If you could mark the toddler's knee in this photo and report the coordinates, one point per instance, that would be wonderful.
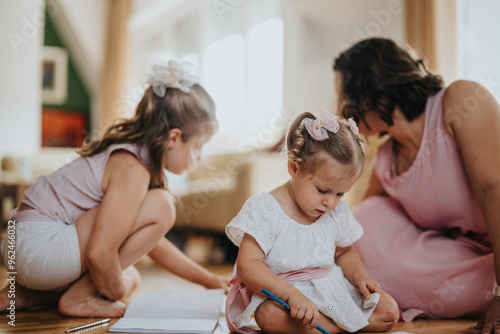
(164, 206)
(388, 304)
(270, 317)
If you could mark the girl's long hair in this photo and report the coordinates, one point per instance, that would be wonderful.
(378, 75)
(193, 113)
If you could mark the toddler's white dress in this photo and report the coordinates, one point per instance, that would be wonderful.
(290, 246)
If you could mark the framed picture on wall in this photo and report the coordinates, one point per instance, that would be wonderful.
(63, 127)
(54, 75)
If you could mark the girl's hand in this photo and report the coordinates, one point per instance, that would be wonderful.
(367, 286)
(219, 282)
(303, 309)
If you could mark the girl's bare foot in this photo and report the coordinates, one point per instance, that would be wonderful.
(24, 298)
(131, 279)
(82, 300)
(381, 321)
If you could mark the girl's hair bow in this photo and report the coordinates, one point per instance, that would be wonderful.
(172, 74)
(318, 127)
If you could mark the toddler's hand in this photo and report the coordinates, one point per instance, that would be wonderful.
(303, 309)
(367, 286)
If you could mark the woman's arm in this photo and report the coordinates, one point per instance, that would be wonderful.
(169, 257)
(125, 183)
(472, 115)
(256, 275)
(375, 187)
(354, 271)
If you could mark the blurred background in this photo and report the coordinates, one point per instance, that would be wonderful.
(69, 68)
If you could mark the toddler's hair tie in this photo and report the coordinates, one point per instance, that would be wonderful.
(354, 128)
(318, 127)
(172, 74)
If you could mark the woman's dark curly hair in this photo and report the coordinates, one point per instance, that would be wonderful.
(379, 75)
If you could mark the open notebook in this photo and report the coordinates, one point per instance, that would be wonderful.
(172, 311)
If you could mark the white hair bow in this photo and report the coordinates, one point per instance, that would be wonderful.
(172, 74)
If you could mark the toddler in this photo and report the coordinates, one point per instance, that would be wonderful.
(296, 242)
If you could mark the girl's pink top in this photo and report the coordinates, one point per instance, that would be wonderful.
(435, 191)
(75, 188)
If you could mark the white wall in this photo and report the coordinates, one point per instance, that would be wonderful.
(21, 29)
(316, 31)
(85, 41)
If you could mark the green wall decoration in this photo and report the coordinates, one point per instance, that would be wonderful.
(66, 123)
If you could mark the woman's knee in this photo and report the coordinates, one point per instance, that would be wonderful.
(160, 208)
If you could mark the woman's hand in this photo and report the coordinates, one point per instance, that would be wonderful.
(367, 286)
(303, 309)
(490, 321)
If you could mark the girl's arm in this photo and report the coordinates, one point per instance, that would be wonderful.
(354, 271)
(256, 275)
(472, 115)
(125, 186)
(169, 257)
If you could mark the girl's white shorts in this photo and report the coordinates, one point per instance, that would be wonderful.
(46, 255)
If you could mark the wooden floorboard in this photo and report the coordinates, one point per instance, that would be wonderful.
(51, 321)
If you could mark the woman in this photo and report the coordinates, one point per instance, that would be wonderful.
(431, 213)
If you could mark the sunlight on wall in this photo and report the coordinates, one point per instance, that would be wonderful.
(244, 74)
(265, 71)
(224, 78)
(478, 43)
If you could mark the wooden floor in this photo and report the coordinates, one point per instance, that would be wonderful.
(50, 321)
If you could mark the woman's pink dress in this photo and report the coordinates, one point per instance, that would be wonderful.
(426, 243)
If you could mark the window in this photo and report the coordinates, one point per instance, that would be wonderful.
(478, 44)
(240, 57)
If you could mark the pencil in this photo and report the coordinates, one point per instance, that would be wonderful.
(285, 305)
(100, 322)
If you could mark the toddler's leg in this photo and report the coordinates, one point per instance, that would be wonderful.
(153, 222)
(274, 319)
(385, 316)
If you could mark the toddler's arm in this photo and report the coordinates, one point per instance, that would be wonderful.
(256, 275)
(124, 191)
(168, 256)
(354, 271)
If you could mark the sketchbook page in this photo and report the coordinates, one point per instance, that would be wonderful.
(177, 304)
(178, 326)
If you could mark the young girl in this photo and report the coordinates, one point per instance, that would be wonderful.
(80, 229)
(296, 242)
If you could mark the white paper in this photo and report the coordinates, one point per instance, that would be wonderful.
(135, 325)
(172, 311)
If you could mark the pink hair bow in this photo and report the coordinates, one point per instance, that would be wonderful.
(318, 127)
(354, 128)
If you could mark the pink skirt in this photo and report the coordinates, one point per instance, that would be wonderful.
(426, 271)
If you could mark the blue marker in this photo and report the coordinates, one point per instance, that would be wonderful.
(285, 305)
